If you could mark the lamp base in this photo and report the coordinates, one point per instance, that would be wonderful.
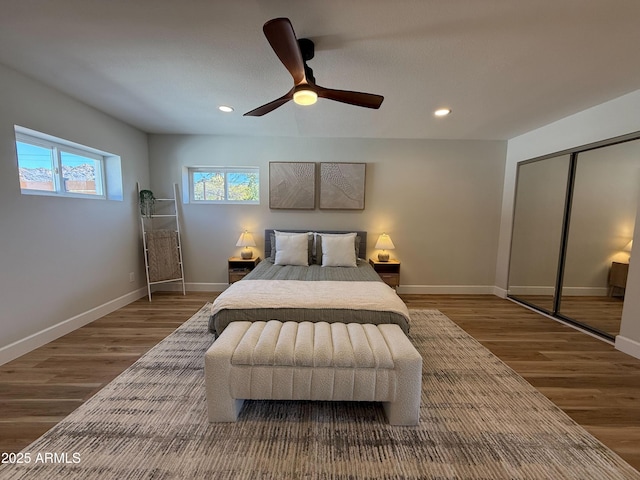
(246, 254)
(383, 257)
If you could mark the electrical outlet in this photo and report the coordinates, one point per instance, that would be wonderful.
(132, 277)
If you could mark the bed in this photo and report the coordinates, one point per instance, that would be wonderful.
(325, 282)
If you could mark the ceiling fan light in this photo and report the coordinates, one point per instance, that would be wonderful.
(305, 97)
(442, 112)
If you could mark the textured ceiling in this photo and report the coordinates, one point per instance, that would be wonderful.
(504, 66)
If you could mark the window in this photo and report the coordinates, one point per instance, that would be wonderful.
(224, 185)
(53, 166)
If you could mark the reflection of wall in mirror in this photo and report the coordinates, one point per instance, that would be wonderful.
(628, 247)
(537, 228)
(603, 215)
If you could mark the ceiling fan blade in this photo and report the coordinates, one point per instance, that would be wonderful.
(282, 38)
(271, 106)
(360, 99)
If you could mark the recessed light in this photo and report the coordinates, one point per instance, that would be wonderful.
(225, 109)
(442, 112)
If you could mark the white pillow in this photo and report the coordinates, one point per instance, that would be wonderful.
(339, 251)
(292, 249)
(318, 244)
(310, 247)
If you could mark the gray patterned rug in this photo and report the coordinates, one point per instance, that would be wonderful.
(479, 420)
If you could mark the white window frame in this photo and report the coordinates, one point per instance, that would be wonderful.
(59, 146)
(226, 171)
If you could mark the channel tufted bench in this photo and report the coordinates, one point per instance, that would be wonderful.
(313, 361)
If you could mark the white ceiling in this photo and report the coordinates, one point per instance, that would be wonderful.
(504, 66)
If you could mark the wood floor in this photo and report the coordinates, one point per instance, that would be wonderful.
(592, 382)
(601, 313)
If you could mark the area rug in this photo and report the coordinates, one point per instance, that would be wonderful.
(478, 420)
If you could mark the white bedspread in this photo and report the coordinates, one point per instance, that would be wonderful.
(376, 296)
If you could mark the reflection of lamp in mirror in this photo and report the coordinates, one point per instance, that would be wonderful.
(246, 240)
(628, 247)
(384, 243)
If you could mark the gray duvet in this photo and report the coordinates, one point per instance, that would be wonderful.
(266, 270)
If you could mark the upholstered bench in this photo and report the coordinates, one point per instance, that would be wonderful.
(313, 361)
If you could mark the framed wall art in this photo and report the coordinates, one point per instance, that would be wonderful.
(342, 186)
(292, 185)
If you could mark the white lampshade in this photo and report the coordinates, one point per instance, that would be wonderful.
(628, 247)
(384, 243)
(246, 240)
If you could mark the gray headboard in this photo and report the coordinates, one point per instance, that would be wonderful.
(361, 234)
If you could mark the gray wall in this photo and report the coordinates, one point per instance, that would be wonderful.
(439, 200)
(62, 257)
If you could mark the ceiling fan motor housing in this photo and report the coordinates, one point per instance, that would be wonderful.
(307, 48)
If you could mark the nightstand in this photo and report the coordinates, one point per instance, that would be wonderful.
(389, 271)
(618, 278)
(239, 267)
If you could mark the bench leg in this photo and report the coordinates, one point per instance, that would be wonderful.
(228, 412)
(221, 406)
(405, 410)
(402, 412)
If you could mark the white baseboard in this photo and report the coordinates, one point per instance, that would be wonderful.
(550, 291)
(500, 292)
(447, 289)
(36, 340)
(628, 346)
(531, 290)
(585, 291)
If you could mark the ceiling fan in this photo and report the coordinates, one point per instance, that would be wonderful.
(294, 53)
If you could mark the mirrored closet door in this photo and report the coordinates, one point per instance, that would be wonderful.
(603, 212)
(573, 224)
(537, 230)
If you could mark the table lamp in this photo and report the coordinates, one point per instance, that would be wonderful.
(384, 243)
(246, 240)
